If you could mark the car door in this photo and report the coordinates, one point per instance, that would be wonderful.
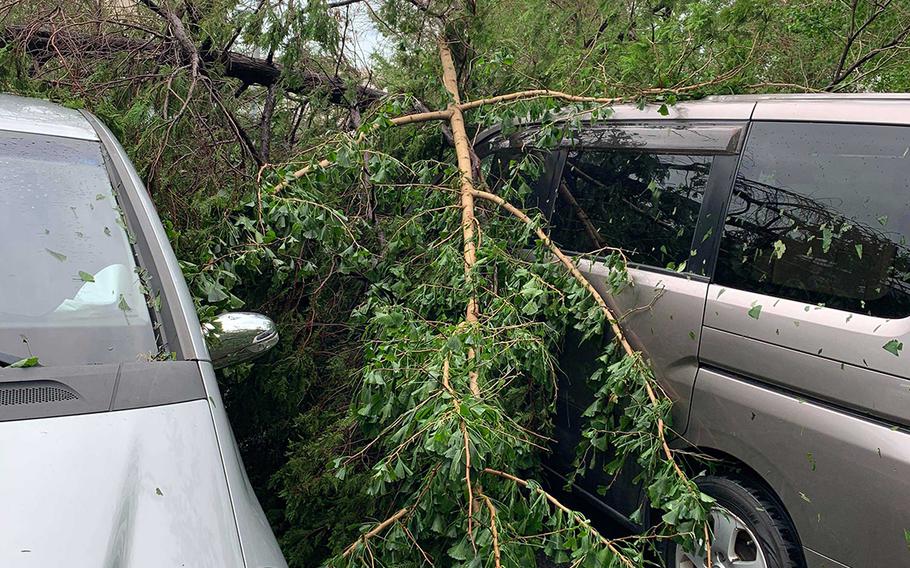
(640, 187)
(803, 376)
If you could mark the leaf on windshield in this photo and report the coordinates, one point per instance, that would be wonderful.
(755, 311)
(779, 249)
(123, 305)
(23, 363)
(99, 197)
(826, 238)
(58, 255)
(86, 277)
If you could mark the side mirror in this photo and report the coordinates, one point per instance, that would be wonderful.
(239, 336)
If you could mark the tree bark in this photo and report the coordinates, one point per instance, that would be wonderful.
(46, 43)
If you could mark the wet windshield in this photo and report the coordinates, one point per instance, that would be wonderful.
(70, 291)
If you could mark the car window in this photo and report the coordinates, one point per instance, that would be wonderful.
(521, 176)
(820, 213)
(71, 290)
(644, 203)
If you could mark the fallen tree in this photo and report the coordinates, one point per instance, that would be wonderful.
(404, 418)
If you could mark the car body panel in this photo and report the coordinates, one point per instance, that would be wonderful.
(867, 110)
(842, 478)
(259, 546)
(36, 116)
(661, 316)
(854, 339)
(260, 549)
(141, 487)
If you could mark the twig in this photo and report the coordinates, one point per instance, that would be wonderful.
(374, 531)
(578, 518)
(493, 530)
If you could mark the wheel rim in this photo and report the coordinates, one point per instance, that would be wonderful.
(733, 545)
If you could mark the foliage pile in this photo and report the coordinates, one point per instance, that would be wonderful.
(286, 188)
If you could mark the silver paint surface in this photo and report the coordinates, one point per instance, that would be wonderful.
(842, 479)
(36, 116)
(663, 318)
(133, 488)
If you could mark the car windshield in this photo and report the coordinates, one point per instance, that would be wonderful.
(70, 290)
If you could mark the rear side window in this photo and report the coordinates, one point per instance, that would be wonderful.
(820, 213)
(644, 203)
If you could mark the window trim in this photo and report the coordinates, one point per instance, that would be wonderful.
(718, 190)
(169, 314)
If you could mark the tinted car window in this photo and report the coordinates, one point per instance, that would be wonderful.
(71, 292)
(820, 213)
(523, 176)
(646, 204)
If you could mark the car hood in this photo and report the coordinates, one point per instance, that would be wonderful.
(133, 488)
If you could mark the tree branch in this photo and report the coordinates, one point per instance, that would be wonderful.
(248, 70)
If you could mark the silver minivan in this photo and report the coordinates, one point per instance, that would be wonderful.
(115, 449)
(768, 241)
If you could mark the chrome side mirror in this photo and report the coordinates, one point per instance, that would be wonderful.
(234, 337)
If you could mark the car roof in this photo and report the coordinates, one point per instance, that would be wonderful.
(866, 108)
(37, 116)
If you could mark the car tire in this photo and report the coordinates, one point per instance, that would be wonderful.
(763, 535)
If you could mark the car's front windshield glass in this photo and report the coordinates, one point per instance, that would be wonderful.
(70, 291)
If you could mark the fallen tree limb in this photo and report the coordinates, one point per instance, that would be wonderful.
(608, 313)
(578, 518)
(44, 43)
(374, 531)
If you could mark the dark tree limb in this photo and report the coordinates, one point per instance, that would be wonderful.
(265, 124)
(840, 73)
(248, 70)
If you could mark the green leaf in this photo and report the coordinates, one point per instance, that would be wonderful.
(827, 233)
(58, 255)
(859, 251)
(123, 305)
(755, 311)
(86, 277)
(23, 363)
(893, 347)
(779, 249)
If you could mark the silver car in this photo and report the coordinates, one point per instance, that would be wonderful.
(116, 450)
(768, 237)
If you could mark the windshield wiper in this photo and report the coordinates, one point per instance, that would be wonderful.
(6, 360)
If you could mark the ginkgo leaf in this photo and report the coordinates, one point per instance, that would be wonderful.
(86, 277)
(755, 311)
(24, 363)
(779, 249)
(893, 347)
(58, 255)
